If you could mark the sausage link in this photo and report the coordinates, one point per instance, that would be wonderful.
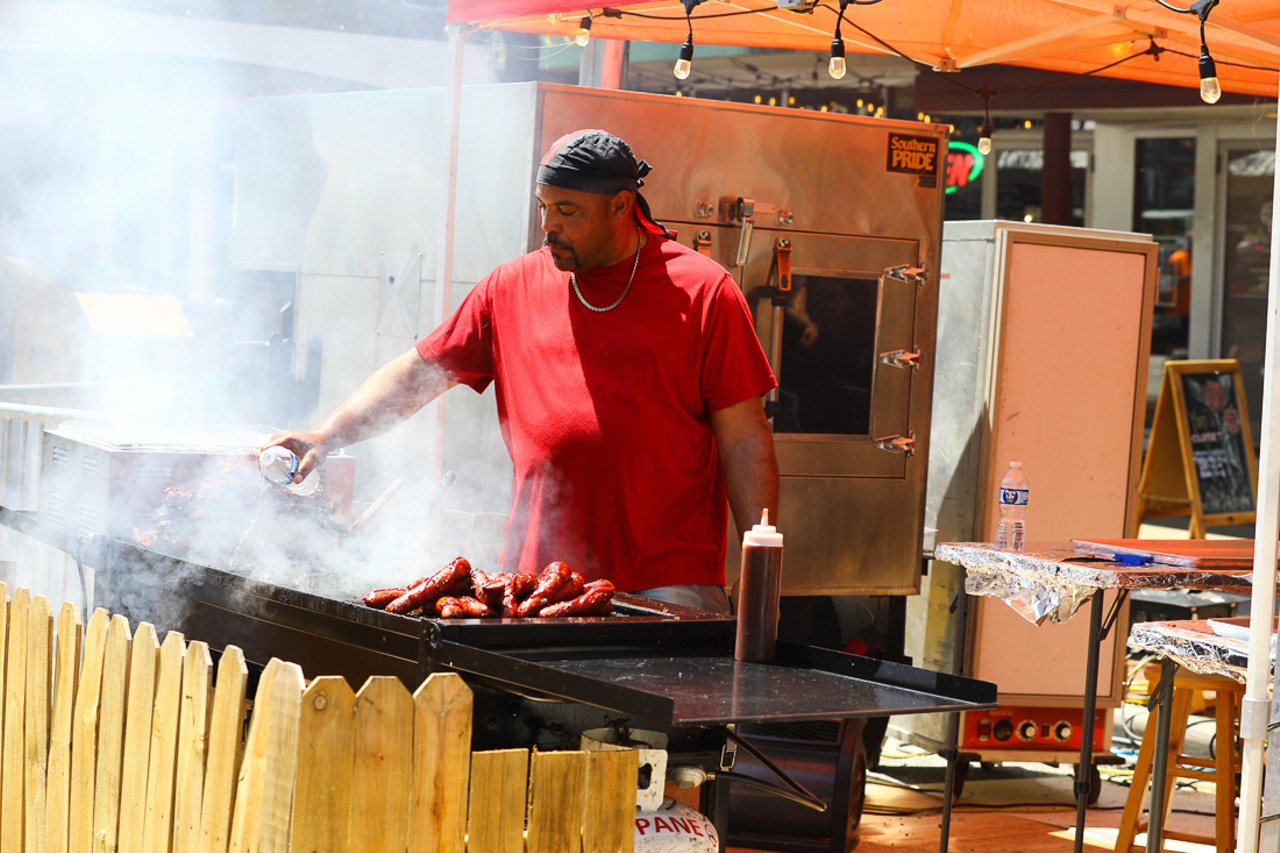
(380, 598)
(571, 588)
(518, 588)
(444, 581)
(489, 588)
(551, 579)
(596, 600)
(461, 607)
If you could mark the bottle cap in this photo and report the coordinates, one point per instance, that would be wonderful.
(1015, 464)
(764, 534)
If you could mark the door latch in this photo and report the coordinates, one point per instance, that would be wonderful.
(907, 274)
(740, 210)
(902, 358)
(782, 262)
(897, 443)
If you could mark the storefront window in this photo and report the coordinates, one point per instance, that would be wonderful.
(1246, 261)
(1020, 179)
(1163, 198)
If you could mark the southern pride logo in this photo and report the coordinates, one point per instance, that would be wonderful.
(913, 155)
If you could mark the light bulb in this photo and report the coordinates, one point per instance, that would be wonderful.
(836, 67)
(685, 63)
(1210, 90)
(984, 145)
(583, 35)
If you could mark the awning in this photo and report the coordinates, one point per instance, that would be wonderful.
(1150, 43)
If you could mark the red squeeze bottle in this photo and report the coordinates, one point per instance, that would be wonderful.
(759, 585)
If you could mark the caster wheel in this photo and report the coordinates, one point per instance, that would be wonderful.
(1095, 783)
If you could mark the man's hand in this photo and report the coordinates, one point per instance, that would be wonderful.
(747, 456)
(394, 392)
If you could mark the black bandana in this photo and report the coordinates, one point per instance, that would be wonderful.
(595, 161)
(592, 161)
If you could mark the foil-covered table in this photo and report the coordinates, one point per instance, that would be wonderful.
(1202, 646)
(1050, 581)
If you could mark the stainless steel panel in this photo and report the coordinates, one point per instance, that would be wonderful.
(964, 352)
(846, 534)
(828, 171)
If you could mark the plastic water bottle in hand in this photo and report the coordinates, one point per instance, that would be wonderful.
(1011, 530)
(279, 464)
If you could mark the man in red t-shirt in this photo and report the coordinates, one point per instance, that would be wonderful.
(628, 379)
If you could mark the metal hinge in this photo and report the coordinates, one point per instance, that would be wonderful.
(907, 274)
(897, 443)
(902, 358)
(702, 241)
(728, 755)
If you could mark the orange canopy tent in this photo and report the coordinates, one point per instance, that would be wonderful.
(1073, 36)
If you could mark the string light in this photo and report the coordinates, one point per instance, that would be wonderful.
(836, 66)
(583, 35)
(984, 140)
(1210, 88)
(684, 64)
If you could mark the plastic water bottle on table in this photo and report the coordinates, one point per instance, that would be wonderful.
(1011, 529)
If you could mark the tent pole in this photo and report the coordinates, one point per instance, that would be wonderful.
(442, 304)
(1254, 713)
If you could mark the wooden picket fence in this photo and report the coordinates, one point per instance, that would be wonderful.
(113, 741)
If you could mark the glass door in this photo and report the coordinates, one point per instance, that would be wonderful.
(1246, 259)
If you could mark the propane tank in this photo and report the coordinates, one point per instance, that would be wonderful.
(663, 825)
(675, 828)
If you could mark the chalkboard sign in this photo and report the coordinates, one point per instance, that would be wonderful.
(1200, 459)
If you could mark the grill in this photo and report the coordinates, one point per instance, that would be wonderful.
(651, 665)
(97, 480)
(660, 663)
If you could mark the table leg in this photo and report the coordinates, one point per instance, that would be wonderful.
(1083, 770)
(960, 608)
(952, 754)
(1160, 758)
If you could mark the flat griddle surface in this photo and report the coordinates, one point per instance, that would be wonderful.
(804, 684)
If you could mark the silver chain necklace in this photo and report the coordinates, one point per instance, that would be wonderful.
(573, 280)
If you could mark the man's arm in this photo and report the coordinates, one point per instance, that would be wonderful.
(747, 456)
(389, 396)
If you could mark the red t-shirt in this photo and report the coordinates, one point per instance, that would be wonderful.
(607, 415)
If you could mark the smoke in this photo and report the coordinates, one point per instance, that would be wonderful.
(134, 284)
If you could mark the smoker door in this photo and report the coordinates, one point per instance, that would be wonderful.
(850, 495)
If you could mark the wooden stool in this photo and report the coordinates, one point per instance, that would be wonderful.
(1221, 769)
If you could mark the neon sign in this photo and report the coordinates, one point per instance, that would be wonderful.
(964, 165)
